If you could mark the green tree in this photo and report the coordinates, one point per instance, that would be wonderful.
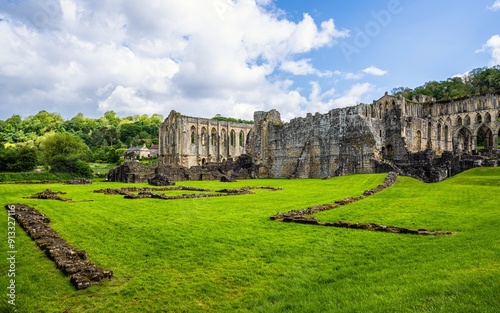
(42, 123)
(18, 159)
(13, 131)
(70, 164)
(65, 145)
(129, 131)
(26, 159)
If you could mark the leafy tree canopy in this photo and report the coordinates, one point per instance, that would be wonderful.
(63, 144)
(477, 82)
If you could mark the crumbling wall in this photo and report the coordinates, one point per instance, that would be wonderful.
(321, 145)
(132, 172)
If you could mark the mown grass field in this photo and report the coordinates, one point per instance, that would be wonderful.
(224, 254)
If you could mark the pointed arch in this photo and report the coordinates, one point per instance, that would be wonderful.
(193, 135)
(484, 138)
(467, 120)
(213, 137)
(242, 138)
(479, 119)
(203, 136)
(487, 117)
(464, 140)
(223, 137)
(232, 138)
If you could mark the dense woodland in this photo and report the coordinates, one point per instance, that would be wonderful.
(67, 146)
(477, 82)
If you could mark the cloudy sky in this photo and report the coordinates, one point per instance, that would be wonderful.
(232, 57)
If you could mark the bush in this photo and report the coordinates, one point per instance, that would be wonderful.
(71, 164)
(18, 159)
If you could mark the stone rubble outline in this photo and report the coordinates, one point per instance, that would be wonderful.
(147, 192)
(78, 181)
(48, 194)
(71, 261)
(301, 216)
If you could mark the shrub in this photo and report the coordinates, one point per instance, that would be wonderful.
(70, 164)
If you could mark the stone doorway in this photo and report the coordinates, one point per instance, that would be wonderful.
(484, 138)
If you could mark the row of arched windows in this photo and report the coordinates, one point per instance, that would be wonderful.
(233, 141)
(478, 120)
(466, 106)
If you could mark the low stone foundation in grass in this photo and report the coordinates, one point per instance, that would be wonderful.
(48, 194)
(303, 216)
(71, 261)
(78, 181)
(149, 192)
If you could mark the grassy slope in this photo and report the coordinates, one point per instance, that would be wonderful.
(224, 254)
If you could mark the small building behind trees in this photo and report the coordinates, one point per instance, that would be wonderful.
(136, 153)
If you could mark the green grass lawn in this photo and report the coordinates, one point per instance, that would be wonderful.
(101, 169)
(224, 254)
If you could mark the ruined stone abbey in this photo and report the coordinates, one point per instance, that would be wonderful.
(392, 132)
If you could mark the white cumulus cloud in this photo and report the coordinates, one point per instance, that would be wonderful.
(198, 57)
(353, 96)
(372, 70)
(492, 46)
(303, 67)
(495, 6)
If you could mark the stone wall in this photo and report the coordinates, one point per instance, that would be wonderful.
(391, 133)
(336, 143)
(189, 141)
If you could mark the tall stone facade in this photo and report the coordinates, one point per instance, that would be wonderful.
(189, 141)
(356, 139)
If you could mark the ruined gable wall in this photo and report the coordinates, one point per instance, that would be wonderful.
(190, 141)
(323, 145)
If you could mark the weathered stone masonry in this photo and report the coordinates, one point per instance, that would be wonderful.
(408, 134)
(190, 141)
(424, 138)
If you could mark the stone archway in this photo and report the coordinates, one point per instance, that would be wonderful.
(487, 118)
(484, 138)
(464, 140)
(498, 141)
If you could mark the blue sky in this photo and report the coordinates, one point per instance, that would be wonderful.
(232, 57)
(425, 40)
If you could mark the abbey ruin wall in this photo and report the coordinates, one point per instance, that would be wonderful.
(320, 145)
(189, 141)
(391, 130)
